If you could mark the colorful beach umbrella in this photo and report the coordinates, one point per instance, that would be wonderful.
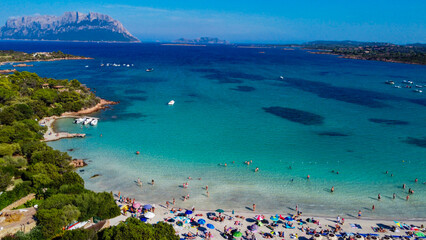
(136, 205)
(259, 217)
(149, 215)
(254, 228)
(210, 226)
(220, 210)
(237, 234)
(148, 206)
(188, 212)
(274, 218)
(397, 223)
(201, 221)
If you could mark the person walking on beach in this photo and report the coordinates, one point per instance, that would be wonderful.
(167, 204)
(174, 201)
(373, 208)
(359, 214)
(254, 207)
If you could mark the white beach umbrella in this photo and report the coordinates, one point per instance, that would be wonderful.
(149, 215)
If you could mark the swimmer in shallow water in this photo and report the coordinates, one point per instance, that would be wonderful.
(257, 169)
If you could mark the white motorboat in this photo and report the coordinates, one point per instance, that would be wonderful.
(149, 69)
(79, 120)
(282, 77)
(172, 102)
(94, 122)
(418, 91)
(87, 121)
(397, 86)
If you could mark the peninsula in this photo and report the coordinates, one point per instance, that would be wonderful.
(10, 56)
(386, 52)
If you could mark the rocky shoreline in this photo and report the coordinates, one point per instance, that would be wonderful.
(51, 135)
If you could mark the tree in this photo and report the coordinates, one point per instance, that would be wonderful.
(71, 213)
(50, 220)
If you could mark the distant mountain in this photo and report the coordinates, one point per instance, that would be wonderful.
(202, 40)
(72, 26)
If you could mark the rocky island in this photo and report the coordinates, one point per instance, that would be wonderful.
(72, 26)
(202, 40)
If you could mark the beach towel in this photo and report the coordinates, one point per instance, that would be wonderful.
(353, 225)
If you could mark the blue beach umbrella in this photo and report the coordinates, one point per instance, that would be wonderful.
(148, 206)
(201, 221)
(210, 226)
(188, 212)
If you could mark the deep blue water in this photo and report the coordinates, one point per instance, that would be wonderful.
(328, 114)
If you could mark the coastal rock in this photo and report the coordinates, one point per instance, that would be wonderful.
(72, 26)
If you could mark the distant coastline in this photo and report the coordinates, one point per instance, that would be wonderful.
(47, 60)
(183, 44)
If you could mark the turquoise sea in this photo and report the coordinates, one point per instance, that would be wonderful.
(327, 115)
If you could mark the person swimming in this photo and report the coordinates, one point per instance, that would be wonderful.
(257, 169)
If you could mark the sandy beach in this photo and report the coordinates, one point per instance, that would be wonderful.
(243, 222)
(51, 135)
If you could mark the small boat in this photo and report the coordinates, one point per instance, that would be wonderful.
(149, 69)
(281, 77)
(87, 121)
(418, 91)
(390, 82)
(94, 122)
(79, 120)
(397, 86)
(102, 65)
(172, 102)
(419, 86)
(410, 82)
(87, 66)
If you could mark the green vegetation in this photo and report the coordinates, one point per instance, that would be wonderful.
(24, 98)
(14, 56)
(60, 193)
(130, 229)
(412, 53)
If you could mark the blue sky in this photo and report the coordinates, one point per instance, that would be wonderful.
(268, 21)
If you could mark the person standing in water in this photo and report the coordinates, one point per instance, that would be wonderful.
(332, 189)
(379, 197)
(254, 207)
(359, 214)
(394, 196)
(152, 182)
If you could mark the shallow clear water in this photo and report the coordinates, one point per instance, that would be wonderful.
(213, 123)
